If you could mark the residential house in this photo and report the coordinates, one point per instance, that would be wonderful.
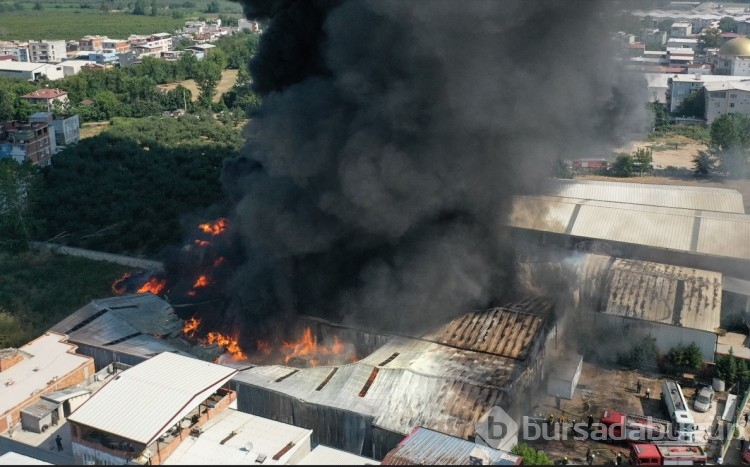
(30, 141)
(103, 57)
(43, 366)
(681, 86)
(682, 42)
(194, 27)
(91, 43)
(117, 45)
(152, 45)
(743, 27)
(47, 51)
(248, 25)
(46, 97)
(17, 49)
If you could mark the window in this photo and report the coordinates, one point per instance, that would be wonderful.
(733, 96)
(731, 105)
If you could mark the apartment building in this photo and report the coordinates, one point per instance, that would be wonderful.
(47, 51)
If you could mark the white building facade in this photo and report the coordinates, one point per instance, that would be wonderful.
(47, 51)
(727, 98)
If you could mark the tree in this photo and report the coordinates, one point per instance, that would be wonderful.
(213, 7)
(661, 116)
(704, 164)
(730, 141)
(726, 368)
(153, 8)
(710, 38)
(38, 6)
(728, 24)
(685, 358)
(642, 159)
(530, 455)
(139, 8)
(666, 24)
(17, 182)
(623, 165)
(694, 104)
(207, 77)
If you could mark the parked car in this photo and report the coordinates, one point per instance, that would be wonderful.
(704, 400)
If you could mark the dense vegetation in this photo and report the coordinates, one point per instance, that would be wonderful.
(38, 290)
(125, 190)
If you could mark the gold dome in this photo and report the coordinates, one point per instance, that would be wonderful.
(738, 47)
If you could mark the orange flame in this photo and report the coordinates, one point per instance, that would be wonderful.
(215, 228)
(202, 243)
(219, 261)
(118, 286)
(228, 343)
(307, 348)
(264, 347)
(202, 281)
(191, 326)
(154, 285)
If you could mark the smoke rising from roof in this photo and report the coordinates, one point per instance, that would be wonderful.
(392, 136)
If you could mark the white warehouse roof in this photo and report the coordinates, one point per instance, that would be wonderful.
(144, 400)
(323, 455)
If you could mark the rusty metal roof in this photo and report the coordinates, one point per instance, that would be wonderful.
(428, 447)
(664, 293)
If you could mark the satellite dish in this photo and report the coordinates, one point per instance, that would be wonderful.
(248, 446)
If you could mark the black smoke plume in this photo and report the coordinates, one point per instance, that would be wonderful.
(392, 136)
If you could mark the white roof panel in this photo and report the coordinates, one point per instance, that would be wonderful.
(323, 455)
(146, 399)
(14, 458)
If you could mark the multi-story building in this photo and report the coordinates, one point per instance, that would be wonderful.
(117, 45)
(67, 130)
(681, 29)
(152, 45)
(194, 27)
(727, 97)
(91, 43)
(18, 50)
(682, 42)
(32, 141)
(681, 86)
(248, 25)
(47, 51)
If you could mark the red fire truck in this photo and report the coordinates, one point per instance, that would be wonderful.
(667, 454)
(589, 165)
(622, 426)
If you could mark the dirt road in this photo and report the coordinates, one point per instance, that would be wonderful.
(674, 151)
(228, 78)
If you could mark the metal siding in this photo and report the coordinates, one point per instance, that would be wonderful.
(544, 214)
(666, 336)
(641, 226)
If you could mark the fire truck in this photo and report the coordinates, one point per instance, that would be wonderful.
(626, 427)
(667, 454)
(589, 165)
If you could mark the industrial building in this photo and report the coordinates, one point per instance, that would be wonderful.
(143, 414)
(31, 377)
(130, 329)
(428, 447)
(444, 380)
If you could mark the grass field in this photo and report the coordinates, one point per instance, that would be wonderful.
(71, 20)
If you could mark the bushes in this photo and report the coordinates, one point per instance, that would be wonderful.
(643, 352)
(685, 358)
(530, 455)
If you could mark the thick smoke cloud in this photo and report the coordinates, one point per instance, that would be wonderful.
(392, 136)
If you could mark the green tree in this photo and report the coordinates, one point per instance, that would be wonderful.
(704, 164)
(213, 7)
(38, 6)
(207, 77)
(661, 116)
(139, 8)
(17, 181)
(530, 455)
(623, 165)
(728, 24)
(694, 104)
(726, 368)
(730, 141)
(153, 8)
(642, 159)
(710, 38)
(685, 358)
(666, 24)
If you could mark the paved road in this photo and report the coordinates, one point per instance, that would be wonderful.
(141, 263)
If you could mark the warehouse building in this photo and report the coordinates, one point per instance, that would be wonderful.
(130, 329)
(444, 380)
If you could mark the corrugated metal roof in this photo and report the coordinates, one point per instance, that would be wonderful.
(695, 231)
(136, 324)
(146, 399)
(65, 394)
(428, 447)
(41, 408)
(672, 196)
(456, 385)
(664, 293)
(14, 458)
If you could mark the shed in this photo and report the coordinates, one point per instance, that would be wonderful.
(564, 375)
(40, 415)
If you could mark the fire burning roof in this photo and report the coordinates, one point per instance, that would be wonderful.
(412, 382)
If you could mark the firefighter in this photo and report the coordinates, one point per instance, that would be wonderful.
(564, 460)
(618, 459)
(551, 420)
(648, 393)
(590, 421)
(557, 402)
(638, 386)
(591, 458)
